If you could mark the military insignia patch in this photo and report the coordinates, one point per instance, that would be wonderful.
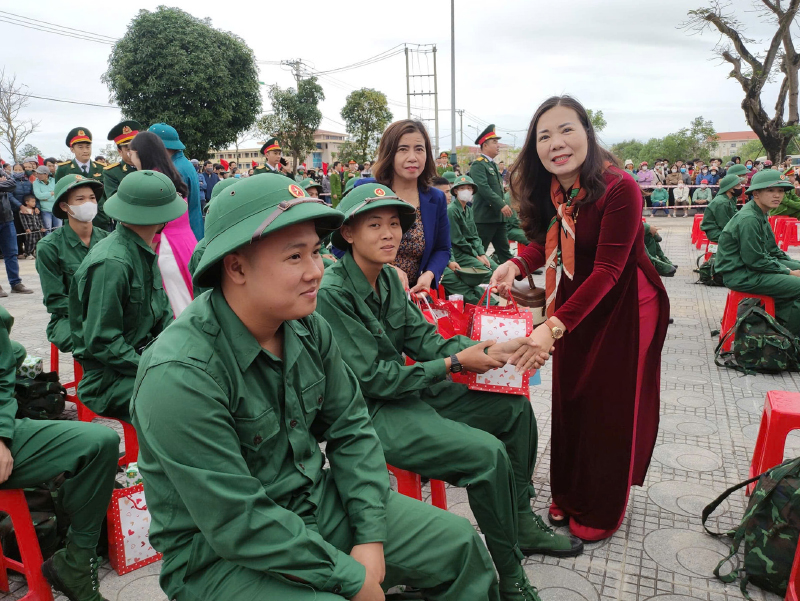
(296, 191)
(78, 178)
(97, 174)
(783, 176)
(379, 192)
(81, 132)
(126, 130)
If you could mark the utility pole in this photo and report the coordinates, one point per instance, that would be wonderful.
(461, 125)
(296, 65)
(425, 87)
(435, 103)
(453, 78)
(408, 88)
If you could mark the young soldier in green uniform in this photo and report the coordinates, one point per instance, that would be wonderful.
(443, 163)
(231, 404)
(117, 303)
(336, 184)
(351, 173)
(422, 420)
(59, 254)
(79, 141)
(313, 189)
(722, 208)
(272, 158)
(35, 451)
(465, 244)
(121, 134)
(652, 244)
(749, 260)
(490, 209)
(514, 231)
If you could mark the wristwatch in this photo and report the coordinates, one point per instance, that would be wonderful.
(556, 331)
(455, 365)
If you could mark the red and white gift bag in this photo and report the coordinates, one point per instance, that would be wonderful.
(500, 324)
(129, 545)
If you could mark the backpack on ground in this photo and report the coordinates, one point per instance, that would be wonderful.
(706, 272)
(761, 344)
(769, 528)
(42, 397)
(49, 520)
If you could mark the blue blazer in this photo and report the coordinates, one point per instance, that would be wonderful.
(436, 226)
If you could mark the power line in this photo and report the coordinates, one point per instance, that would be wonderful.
(61, 33)
(56, 25)
(394, 51)
(105, 106)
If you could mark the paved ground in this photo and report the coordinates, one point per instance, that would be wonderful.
(709, 421)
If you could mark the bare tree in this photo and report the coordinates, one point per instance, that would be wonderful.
(754, 70)
(13, 128)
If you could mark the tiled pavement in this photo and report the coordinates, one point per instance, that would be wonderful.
(709, 420)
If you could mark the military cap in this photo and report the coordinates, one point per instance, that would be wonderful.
(367, 197)
(271, 144)
(78, 134)
(145, 198)
(310, 183)
(444, 155)
(728, 182)
(251, 209)
(70, 182)
(486, 134)
(352, 162)
(769, 178)
(450, 176)
(168, 135)
(738, 169)
(123, 132)
(463, 180)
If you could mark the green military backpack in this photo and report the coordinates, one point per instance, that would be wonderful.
(706, 272)
(770, 529)
(42, 397)
(761, 343)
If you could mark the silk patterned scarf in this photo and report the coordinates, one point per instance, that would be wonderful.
(560, 235)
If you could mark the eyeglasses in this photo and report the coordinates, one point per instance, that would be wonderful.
(282, 207)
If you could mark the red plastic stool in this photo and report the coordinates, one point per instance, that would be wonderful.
(521, 247)
(54, 367)
(731, 308)
(410, 485)
(793, 590)
(787, 234)
(14, 504)
(781, 416)
(696, 231)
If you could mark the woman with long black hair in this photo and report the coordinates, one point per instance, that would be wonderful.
(175, 244)
(607, 315)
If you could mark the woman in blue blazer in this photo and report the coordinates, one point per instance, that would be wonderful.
(406, 165)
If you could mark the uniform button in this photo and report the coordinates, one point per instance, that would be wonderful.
(257, 440)
(319, 400)
(302, 467)
(337, 589)
(293, 423)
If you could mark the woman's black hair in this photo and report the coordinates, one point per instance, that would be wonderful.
(530, 181)
(153, 155)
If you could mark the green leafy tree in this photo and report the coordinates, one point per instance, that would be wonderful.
(597, 120)
(754, 67)
(295, 117)
(628, 149)
(174, 68)
(751, 150)
(366, 114)
(29, 150)
(695, 141)
(111, 153)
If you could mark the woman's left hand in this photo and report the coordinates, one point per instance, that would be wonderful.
(423, 286)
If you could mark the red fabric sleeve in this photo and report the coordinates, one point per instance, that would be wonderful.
(619, 226)
(534, 258)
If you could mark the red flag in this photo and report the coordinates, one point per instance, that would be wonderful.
(41, 160)
(325, 168)
(254, 164)
(224, 163)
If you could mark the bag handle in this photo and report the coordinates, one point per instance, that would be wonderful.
(487, 296)
(711, 507)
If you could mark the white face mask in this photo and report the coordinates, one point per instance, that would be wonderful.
(464, 195)
(85, 212)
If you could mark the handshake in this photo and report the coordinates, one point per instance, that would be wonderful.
(525, 353)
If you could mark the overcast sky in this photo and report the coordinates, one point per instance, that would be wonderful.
(629, 60)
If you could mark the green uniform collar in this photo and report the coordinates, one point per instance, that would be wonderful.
(359, 281)
(74, 240)
(245, 346)
(126, 232)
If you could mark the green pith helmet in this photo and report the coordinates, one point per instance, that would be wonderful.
(738, 170)
(221, 185)
(472, 276)
(310, 183)
(463, 180)
(251, 209)
(349, 186)
(450, 176)
(145, 198)
(367, 197)
(728, 182)
(70, 182)
(769, 178)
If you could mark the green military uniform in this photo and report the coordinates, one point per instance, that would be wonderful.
(652, 244)
(240, 498)
(301, 175)
(58, 256)
(336, 188)
(442, 170)
(95, 172)
(790, 205)
(514, 231)
(200, 248)
(328, 258)
(86, 453)
(721, 209)
(465, 246)
(271, 144)
(749, 260)
(423, 420)
(121, 134)
(117, 303)
(488, 201)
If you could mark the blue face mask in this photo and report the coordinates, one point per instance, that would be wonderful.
(683, 169)
(238, 175)
(18, 174)
(749, 167)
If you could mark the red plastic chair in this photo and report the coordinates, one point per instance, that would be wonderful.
(409, 484)
(781, 416)
(54, 367)
(14, 504)
(520, 247)
(731, 308)
(696, 231)
(786, 233)
(793, 590)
